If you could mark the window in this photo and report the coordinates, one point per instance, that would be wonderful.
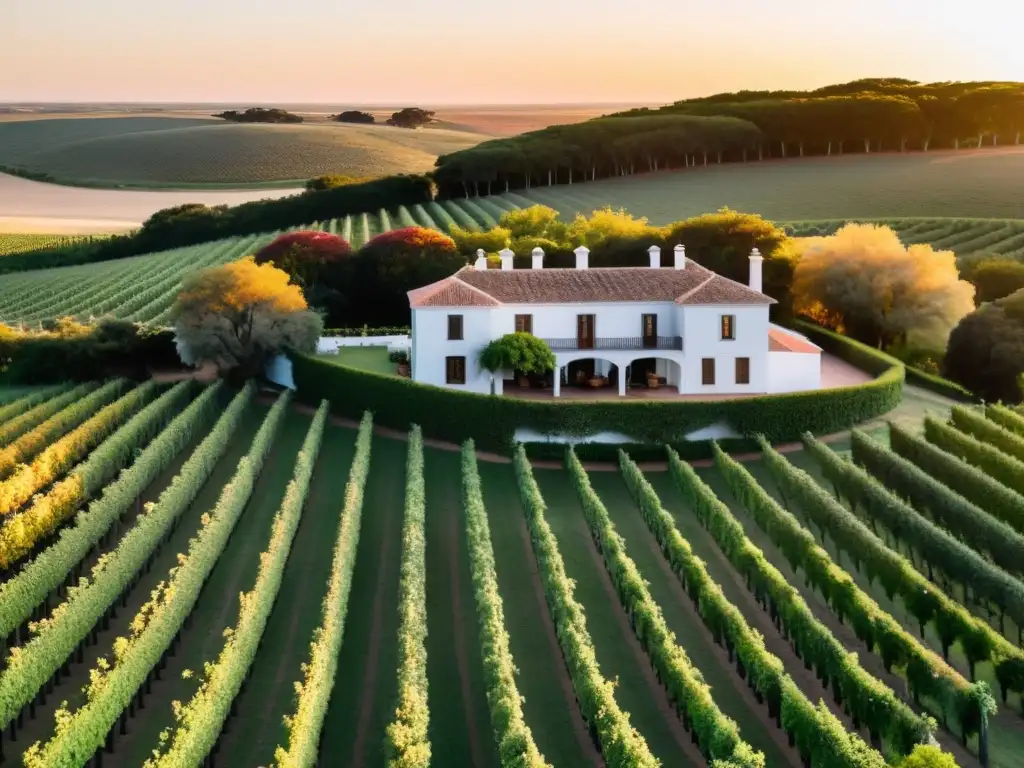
(728, 327)
(707, 371)
(742, 370)
(524, 323)
(649, 326)
(455, 370)
(454, 327)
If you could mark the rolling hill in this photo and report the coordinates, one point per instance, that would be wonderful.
(167, 152)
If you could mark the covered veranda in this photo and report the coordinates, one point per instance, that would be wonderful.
(591, 374)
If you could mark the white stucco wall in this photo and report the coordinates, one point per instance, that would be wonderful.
(612, 319)
(699, 326)
(430, 346)
(333, 343)
(702, 338)
(279, 371)
(711, 432)
(793, 371)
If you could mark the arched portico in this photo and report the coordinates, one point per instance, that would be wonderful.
(622, 360)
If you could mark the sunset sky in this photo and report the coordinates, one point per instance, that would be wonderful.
(481, 52)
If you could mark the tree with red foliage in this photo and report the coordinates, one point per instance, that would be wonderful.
(395, 262)
(304, 254)
(317, 261)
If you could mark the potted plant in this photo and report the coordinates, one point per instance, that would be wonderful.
(401, 357)
(520, 352)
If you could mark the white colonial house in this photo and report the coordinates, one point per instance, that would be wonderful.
(679, 328)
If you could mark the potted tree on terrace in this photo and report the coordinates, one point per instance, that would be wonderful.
(401, 357)
(522, 352)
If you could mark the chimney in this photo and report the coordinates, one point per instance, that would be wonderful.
(679, 252)
(755, 270)
(506, 258)
(655, 253)
(538, 258)
(582, 257)
(481, 261)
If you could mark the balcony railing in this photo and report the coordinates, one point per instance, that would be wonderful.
(623, 343)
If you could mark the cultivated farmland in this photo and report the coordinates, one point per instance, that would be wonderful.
(965, 183)
(430, 603)
(142, 288)
(16, 243)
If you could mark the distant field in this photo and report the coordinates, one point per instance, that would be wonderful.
(20, 243)
(167, 152)
(977, 183)
(495, 120)
(142, 288)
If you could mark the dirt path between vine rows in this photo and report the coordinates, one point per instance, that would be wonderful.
(579, 726)
(643, 663)
(369, 688)
(461, 654)
(741, 690)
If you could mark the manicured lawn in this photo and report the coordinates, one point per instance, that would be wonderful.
(374, 359)
(270, 694)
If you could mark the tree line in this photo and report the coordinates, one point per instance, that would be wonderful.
(862, 116)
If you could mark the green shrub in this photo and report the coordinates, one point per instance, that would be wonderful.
(875, 361)
(519, 352)
(492, 421)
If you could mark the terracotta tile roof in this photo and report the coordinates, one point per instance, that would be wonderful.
(450, 292)
(722, 290)
(780, 341)
(695, 284)
(560, 286)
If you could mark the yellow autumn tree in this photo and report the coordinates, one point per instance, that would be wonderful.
(606, 224)
(239, 315)
(865, 283)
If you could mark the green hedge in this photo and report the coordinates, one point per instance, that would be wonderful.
(876, 361)
(690, 450)
(492, 421)
(366, 330)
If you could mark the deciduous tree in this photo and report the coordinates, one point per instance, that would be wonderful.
(535, 221)
(862, 280)
(986, 354)
(411, 117)
(519, 352)
(354, 116)
(394, 263)
(238, 315)
(305, 255)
